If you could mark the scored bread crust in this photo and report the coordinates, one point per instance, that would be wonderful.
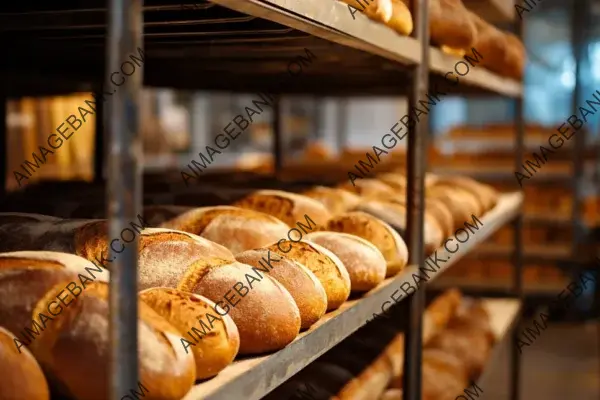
(22, 377)
(236, 228)
(326, 266)
(365, 264)
(303, 285)
(290, 208)
(79, 338)
(376, 231)
(335, 199)
(217, 348)
(267, 317)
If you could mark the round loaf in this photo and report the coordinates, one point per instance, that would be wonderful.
(336, 200)
(290, 208)
(365, 264)
(76, 345)
(264, 312)
(236, 228)
(376, 231)
(22, 377)
(303, 285)
(394, 213)
(370, 188)
(326, 266)
(186, 311)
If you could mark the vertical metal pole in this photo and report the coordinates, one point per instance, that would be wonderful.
(277, 137)
(124, 191)
(415, 197)
(579, 23)
(515, 357)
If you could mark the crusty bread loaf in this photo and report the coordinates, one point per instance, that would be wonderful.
(394, 213)
(376, 231)
(336, 200)
(22, 377)
(461, 204)
(491, 43)
(326, 266)
(370, 188)
(265, 313)
(485, 195)
(440, 211)
(236, 228)
(75, 346)
(303, 285)
(184, 311)
(516, 56)
(291, 208)
(401, 19)
(378, 10)
(365, 264)
(371, 383)
(395, 180)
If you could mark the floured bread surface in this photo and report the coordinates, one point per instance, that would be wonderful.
(185, 311)
(288, 207)
(378, 233)
(364, 262)
(336, 200)
(264, 312)
(165, 256)
(236, 228)
(326, 266)
(303, 285)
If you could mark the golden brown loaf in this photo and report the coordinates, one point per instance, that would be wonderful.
(303, 285)
(376, 231)
(491, 43)
(365, 264)
(22, 377)
(236, 228)
(378, 10)
(401, 19)
(370, 188)
(326, 266)
(485, 195)
(336, 200)
(450, 25)
(291, 208)
(75, 346)
(264, 312)
(515, 57)
(394, 179)
(188, 312)
(440, 211)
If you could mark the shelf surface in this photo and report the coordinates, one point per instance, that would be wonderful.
(253, 377)
(496, 285)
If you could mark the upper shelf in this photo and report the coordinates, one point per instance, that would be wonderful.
(245, 377)
(233, 45)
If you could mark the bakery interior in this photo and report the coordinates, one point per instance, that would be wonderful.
(227, 128)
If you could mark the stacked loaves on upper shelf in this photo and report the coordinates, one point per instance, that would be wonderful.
(215, 282)
(455, 29)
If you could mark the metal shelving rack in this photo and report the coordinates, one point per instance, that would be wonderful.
(209, 48)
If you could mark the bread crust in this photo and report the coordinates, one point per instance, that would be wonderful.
(335, 199)
(370, 188)
(184, 310)
(236, 228)
(376, 231)
(326, 266)
(303, 285)
(365, 264)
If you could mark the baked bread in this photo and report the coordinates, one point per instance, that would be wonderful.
(236, 228)
(491, 43)
(365, 264)
(326, 266)
(441, 213)
(401, 19)
(378, 10)
(450, 25)
(303, 285)
(515, 57)
(485, 195)
(461, 204)
(336, 200)
(188, 312)
(370, 188)
(376, 231)
(395, 180)
(394, 213)
(76, 346)
(371, 383)
(291, 208)
(22, 377)
(264, 312)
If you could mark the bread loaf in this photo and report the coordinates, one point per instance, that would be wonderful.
(438, 210)
(491, 43)
(485, 195)
(365, 264)
(395, 180)
(22, 377)
(236, 228)
(371, 383)
(75, 346)
(376, 231)
(264, 312)
(185, 311)
(291, 208)
(370, 188)
(401, 19)
(378, 10)
(336, 200)
(303, 285)
(326, 266)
